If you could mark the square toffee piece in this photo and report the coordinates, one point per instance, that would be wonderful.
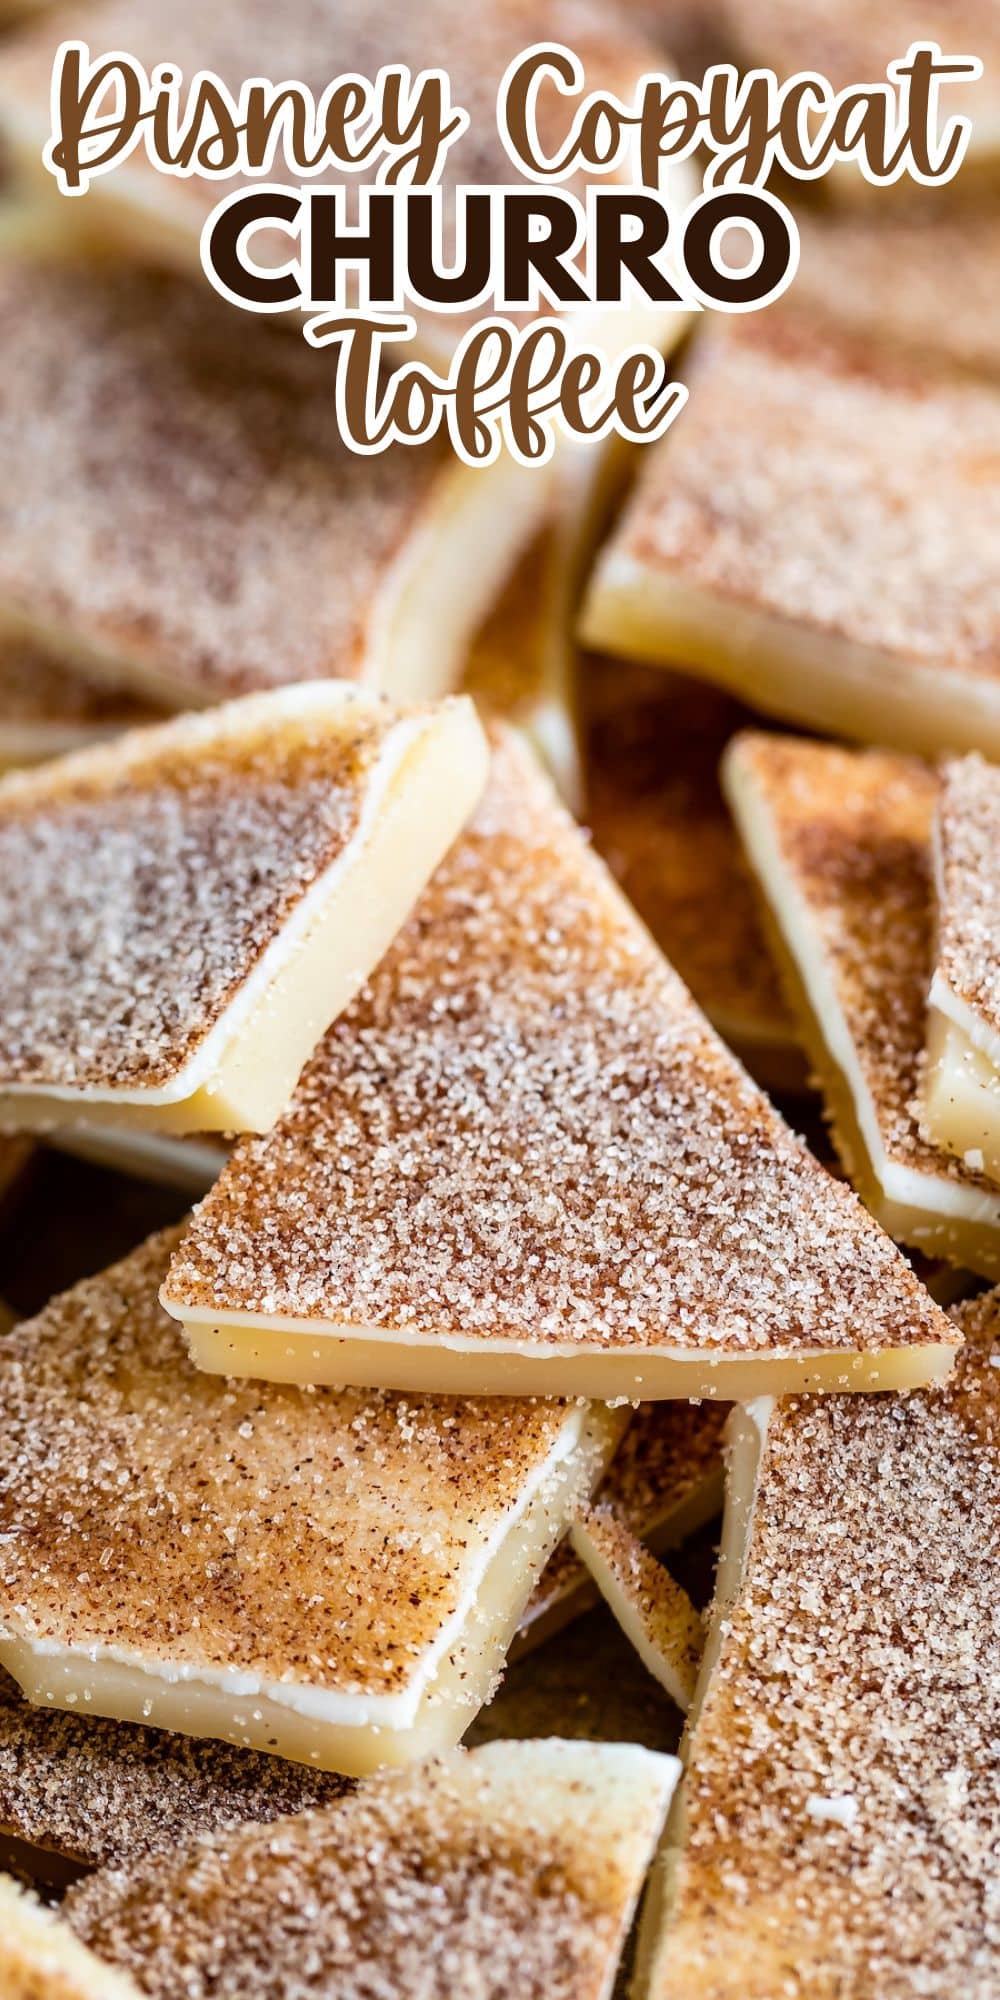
(330, 1576)
(523, 1163)
(818, 534)
(186, 909)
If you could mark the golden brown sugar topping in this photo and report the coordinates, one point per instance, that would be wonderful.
(141, 885)
(104, 1793)
(524, 1128)
(843, 1821)
(322, 1538)
(813, 481)
(879, 276)
(659, 820)
(968, 903)
(37, 687)
(176, 487)
(497, 1871)
(854, 832)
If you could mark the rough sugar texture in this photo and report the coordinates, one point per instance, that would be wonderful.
(658, 818)
(842, 1803)
(814, 483)
(968, 909)
(525, 1128)
(880, 275)
(668, 1454)
(135, 902)
(35, 687)
(488, 1873)
(176, 490)
(104, 1793)
(854, 830)
(304, 1537)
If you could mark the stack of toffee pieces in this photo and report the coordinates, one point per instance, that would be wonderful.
(419, 867)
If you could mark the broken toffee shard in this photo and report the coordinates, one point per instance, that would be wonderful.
(523, 1163)
(819, 535)
(960, 1082)
(514, 1868)
(838, 1826)
(181, 515)
(185, 910)
(840, 841)
(330, 1576)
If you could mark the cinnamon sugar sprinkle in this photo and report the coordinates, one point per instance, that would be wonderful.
(102, 1793)
(878, 275)
(524, 1127)
(850, 494)
(176, 491)
(315, 1537)
(506, 1870)
(854, 830)
(843, 1817)
(140, 886)
(968, 909)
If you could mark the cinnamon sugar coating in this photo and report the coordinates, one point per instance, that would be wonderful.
(878, 275)
(845, 492)
(508, 1869)
(104, 1793)
(524, 1128)
(842, 1814)
(140, 885)
(968, 903)
(176, 490)
(851, 43)
(313, 1538)
(659, 820)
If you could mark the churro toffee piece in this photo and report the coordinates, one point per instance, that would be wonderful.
(654, 1612)
(96, 1793)
(840, 841)
(818, 534)
(511, 1868)
(523, 1162)
(960, 1084)
(664, 1482)
(654, 740)
(838, 1828)
(181, 514)
(184, 911)
(42, 1959)
(330, 1576)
